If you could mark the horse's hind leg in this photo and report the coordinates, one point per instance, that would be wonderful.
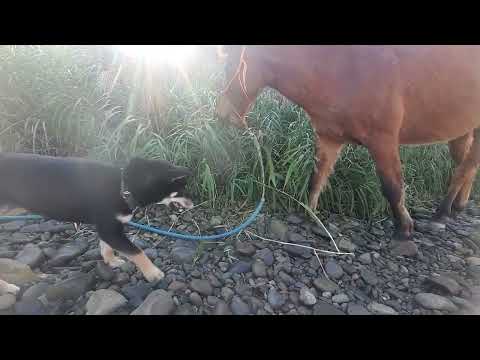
(468, 158)
(459, 149)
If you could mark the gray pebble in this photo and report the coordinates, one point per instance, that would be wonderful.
(239, 307)
(340, 298)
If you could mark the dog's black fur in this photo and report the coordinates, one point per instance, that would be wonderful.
(81, 190)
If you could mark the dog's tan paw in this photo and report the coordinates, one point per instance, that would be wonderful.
(154, 274)
(115, 262)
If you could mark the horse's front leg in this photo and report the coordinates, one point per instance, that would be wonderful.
(385, 153)
(326, 154)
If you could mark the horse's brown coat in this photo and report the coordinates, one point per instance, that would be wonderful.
(376, 96)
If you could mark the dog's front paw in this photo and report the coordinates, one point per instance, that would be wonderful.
(115, 262)
(154, 274)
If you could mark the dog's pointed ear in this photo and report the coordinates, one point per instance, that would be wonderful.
(179, 173)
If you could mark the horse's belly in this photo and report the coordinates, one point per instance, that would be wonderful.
(435, 129)
(430, 132)
(440, 113)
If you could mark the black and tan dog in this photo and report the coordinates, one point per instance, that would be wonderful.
(81, 190)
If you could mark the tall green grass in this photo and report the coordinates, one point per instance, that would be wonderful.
(51, 103)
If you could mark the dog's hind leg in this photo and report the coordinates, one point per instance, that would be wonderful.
(7, 288)
(113, 238)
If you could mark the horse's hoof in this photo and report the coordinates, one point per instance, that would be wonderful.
(402, 236)
(458, 209)
(403, 248)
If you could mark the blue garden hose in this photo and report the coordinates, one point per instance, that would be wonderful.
(20, 217)
(173, 234)
(155, 230)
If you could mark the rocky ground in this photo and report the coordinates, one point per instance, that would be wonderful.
(60, 271)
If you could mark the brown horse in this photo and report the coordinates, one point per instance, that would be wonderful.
(378, 96)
